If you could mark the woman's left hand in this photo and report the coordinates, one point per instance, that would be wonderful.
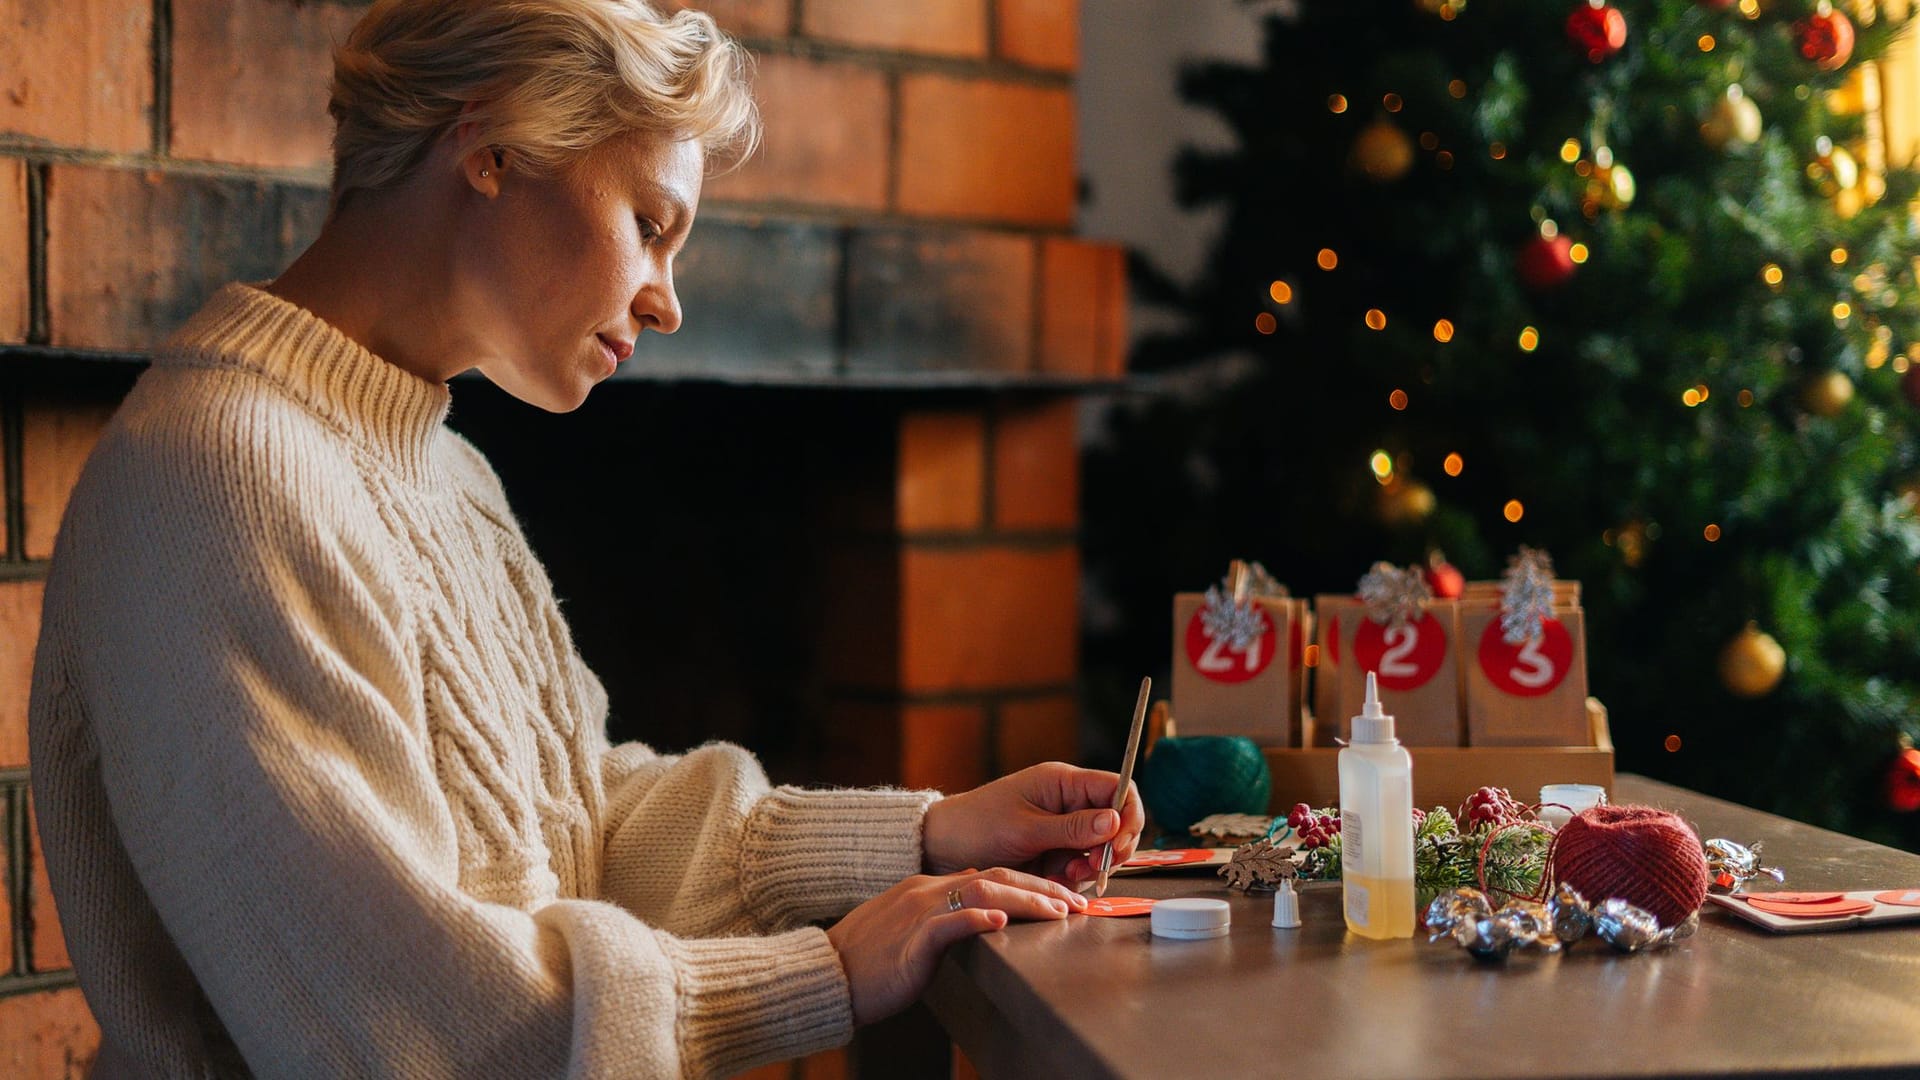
(1048, 820)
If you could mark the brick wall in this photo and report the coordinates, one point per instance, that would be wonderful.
(907, 226)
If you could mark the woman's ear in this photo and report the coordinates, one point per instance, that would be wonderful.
(482, 168)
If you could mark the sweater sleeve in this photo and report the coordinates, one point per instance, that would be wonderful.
(251, 678)
(768, 858)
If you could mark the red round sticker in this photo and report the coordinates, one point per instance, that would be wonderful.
(1405, 657)
(1531, 668)
(1217, 659)
(1118, 907)
(1333, 640)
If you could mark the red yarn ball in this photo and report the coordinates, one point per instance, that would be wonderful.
(1647, 857)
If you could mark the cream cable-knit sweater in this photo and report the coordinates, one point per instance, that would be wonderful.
(324, 788)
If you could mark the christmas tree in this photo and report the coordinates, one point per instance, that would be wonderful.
(1630, 282)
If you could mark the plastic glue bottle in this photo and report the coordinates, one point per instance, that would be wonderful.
(1376, 826)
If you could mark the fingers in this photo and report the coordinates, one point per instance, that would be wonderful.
(943, 930)
(1021, 895)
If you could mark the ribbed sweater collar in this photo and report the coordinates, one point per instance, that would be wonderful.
(379, 403)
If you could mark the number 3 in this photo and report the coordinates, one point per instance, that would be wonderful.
(1538, 670)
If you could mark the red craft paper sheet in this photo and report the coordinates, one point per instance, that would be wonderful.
(1881, 913)
(1147, 862)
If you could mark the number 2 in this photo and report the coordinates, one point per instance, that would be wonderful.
(1401, 641)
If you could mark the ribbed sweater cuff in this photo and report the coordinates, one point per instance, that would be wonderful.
(811, 855)
(749, 1001)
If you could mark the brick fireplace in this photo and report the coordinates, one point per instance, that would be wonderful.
(835, 518)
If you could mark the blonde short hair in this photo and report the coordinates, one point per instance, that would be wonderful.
(547, 80)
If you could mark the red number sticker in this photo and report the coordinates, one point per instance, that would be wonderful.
(1405, 656)
(1531, 668)
(1217, 659)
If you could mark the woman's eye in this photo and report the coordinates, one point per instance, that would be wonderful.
(649, 232)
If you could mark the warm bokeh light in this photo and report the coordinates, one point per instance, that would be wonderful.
(1772, 274)
(1529, 339)
(1376, 319)
(1382, 466)
(1838, 255)
(1498, 150)
(1706, 43)
(1570, 151)
(1745, 399)
(1327, 259)
(1690, 397)
(1457, 88)
(1514, 510)
(1310, 656)
(1337, 103)
(1454, 465)
(1281, 292)
(1392, 102)
(1842, 311)
(1429, 141)
(1901, 364)
(1265, 322)
(1578, 253)
(1398, 399)
(1444, 159)
(1673, 741)
(1711, 532)
(1443, 331)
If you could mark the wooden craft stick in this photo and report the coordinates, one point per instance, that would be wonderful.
(1126, 779)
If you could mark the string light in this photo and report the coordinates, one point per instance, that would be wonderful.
(1429, 141)
(1750, 8)
(1443, 331)
(1376, 319)
(1391, 102)
(1444, 159)
(1529, 339)
(1570, 151)
(1310, 656)
(1706, 42)
(1458, 87)
(1327, 259)
(1745, 399)
(1382, 466)
(1578, 253)
(1281, 292)
(1337, 103)
(1265, 322)
(1673, 741)
(1772, 274)
(1498, 150)
(1514, 511)
(1711, 532)
(1398, 399)
(1454, 465)
(1901, 364)
(1690, 397)
(1842, 311)
(1838, 255)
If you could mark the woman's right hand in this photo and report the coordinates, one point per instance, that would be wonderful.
(890, 944)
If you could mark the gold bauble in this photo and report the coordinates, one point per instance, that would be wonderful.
(1832, 170)
(1381, 152)
(1404, 502)
(1752, 663)
(1828, 394)
(1734, 121)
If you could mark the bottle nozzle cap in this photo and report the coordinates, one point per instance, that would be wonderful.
(1374, 724)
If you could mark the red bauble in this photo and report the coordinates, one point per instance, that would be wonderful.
(1546, 262)
(1445, 579)
(1910, 385)
(1903, 782)
(1825, 37)
(1598, 31)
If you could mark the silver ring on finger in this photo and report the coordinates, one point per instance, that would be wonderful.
(954, 902)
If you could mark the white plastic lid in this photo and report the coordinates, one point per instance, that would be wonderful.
(1286, 906)
(1373, 725)
(1191, 917)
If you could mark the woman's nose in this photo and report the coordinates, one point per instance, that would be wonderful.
(657, 306)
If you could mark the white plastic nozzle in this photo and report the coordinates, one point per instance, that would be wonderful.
(1286, 906)
(1374, 724)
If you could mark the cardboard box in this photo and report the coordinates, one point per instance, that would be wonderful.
(1418, 667)
(1529, 695)
(1446, 775)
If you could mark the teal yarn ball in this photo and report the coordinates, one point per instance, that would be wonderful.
(1190, 776)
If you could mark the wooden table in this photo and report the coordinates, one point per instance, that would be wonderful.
(1102, 998)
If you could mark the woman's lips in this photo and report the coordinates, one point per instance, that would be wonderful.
(617, 349)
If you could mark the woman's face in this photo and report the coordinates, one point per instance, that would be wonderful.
(563, 273)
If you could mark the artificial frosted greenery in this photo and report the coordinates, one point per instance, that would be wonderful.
(1257, 446)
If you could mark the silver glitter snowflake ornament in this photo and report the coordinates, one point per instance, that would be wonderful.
(1394, 595)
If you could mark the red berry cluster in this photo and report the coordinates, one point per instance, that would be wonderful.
(1489, 806)
(1316, 828)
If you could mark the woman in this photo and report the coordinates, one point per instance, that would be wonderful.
(323, 784)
